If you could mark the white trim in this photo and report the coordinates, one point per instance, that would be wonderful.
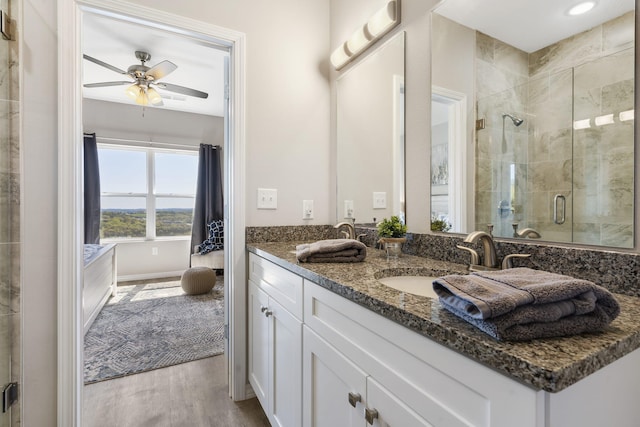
(70, 322)
(70, 337)
(149, 276)
(458, 186)
(399, 161)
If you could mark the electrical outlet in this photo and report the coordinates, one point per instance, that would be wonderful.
(307, 209)
(267, 198)
(348, 209)
(154, 251)
(379, 200)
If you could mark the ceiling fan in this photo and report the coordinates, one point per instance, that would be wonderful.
(145, 79)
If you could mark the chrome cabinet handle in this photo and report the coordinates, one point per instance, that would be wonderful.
(263, 308)
(354, 398)
(370, 415)
(268, 313)
(555, 208)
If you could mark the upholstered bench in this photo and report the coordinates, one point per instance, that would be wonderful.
(198, 280)
(213, 259)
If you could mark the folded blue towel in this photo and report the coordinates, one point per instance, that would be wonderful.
(521, 303)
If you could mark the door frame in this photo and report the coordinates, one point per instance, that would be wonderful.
(70, 220)
(459, 209)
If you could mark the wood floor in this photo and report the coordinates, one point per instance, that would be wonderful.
(193, 394)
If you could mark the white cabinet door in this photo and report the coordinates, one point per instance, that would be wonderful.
(386, 410)
(334, 388)
(258, 344)
(285, 403)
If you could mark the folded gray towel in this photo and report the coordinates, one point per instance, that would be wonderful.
(332, 250)
(523, 304)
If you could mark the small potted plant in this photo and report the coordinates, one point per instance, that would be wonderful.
(391, 233)
(438, 224)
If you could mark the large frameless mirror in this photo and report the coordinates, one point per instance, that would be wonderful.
(533, 111)
(370, 136)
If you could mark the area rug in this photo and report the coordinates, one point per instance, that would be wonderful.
(153, 326)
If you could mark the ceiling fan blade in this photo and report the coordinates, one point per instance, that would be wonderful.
(183, 90)
(103, 64)
(161, 69)
(105, 84)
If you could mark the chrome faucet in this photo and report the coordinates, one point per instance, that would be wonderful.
(489, 257)
(350, 233)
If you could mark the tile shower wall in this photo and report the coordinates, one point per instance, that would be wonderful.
(582, 77)
(501, 158)
(9, 216)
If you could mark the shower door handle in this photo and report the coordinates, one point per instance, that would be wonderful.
(563, 200)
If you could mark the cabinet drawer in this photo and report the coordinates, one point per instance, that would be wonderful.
(282, 285)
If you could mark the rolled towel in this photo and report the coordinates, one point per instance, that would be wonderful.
(523, 304)
(332, 250)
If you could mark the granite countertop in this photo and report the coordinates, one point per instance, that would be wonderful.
(551, 364)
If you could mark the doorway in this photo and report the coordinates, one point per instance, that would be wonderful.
(70, 340)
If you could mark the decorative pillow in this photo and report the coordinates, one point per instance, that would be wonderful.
(215, 241)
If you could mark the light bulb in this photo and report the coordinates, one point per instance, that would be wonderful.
(358, 41)
(382, 20)
(142, 98)
(133, 91)
(154, 96)
(340, 56)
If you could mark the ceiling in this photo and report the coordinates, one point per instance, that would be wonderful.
(200, 65)
(530, 25)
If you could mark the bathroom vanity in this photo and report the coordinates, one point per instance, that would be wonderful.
(330, 345)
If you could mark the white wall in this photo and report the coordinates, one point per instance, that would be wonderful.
(346, 17)
(38, 63)
(110, 119)
(287, 103)
(136, 260)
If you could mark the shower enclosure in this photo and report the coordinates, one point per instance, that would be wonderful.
(556, 153)
(9, 225)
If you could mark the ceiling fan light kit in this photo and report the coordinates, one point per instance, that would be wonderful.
(140, 89)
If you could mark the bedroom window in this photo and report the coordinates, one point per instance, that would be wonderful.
(146, 193)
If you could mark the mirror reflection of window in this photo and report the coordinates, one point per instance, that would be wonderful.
(440, 159)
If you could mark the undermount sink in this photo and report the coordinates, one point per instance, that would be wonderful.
(417, 285)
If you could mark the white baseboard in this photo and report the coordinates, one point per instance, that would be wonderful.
(148, 276)
(249, 393)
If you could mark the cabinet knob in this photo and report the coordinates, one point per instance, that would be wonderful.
(268, 313)
(370, 415)
(354, 398)
(263, 308)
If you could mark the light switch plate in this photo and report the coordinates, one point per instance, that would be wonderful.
(267, 198)
(379, 200)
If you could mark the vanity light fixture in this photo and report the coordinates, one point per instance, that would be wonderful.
(581, 8)
(378, 25)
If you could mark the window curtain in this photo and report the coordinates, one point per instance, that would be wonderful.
(209, 204)
(91, 190)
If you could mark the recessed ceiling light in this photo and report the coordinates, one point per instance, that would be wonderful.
(581, 8)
